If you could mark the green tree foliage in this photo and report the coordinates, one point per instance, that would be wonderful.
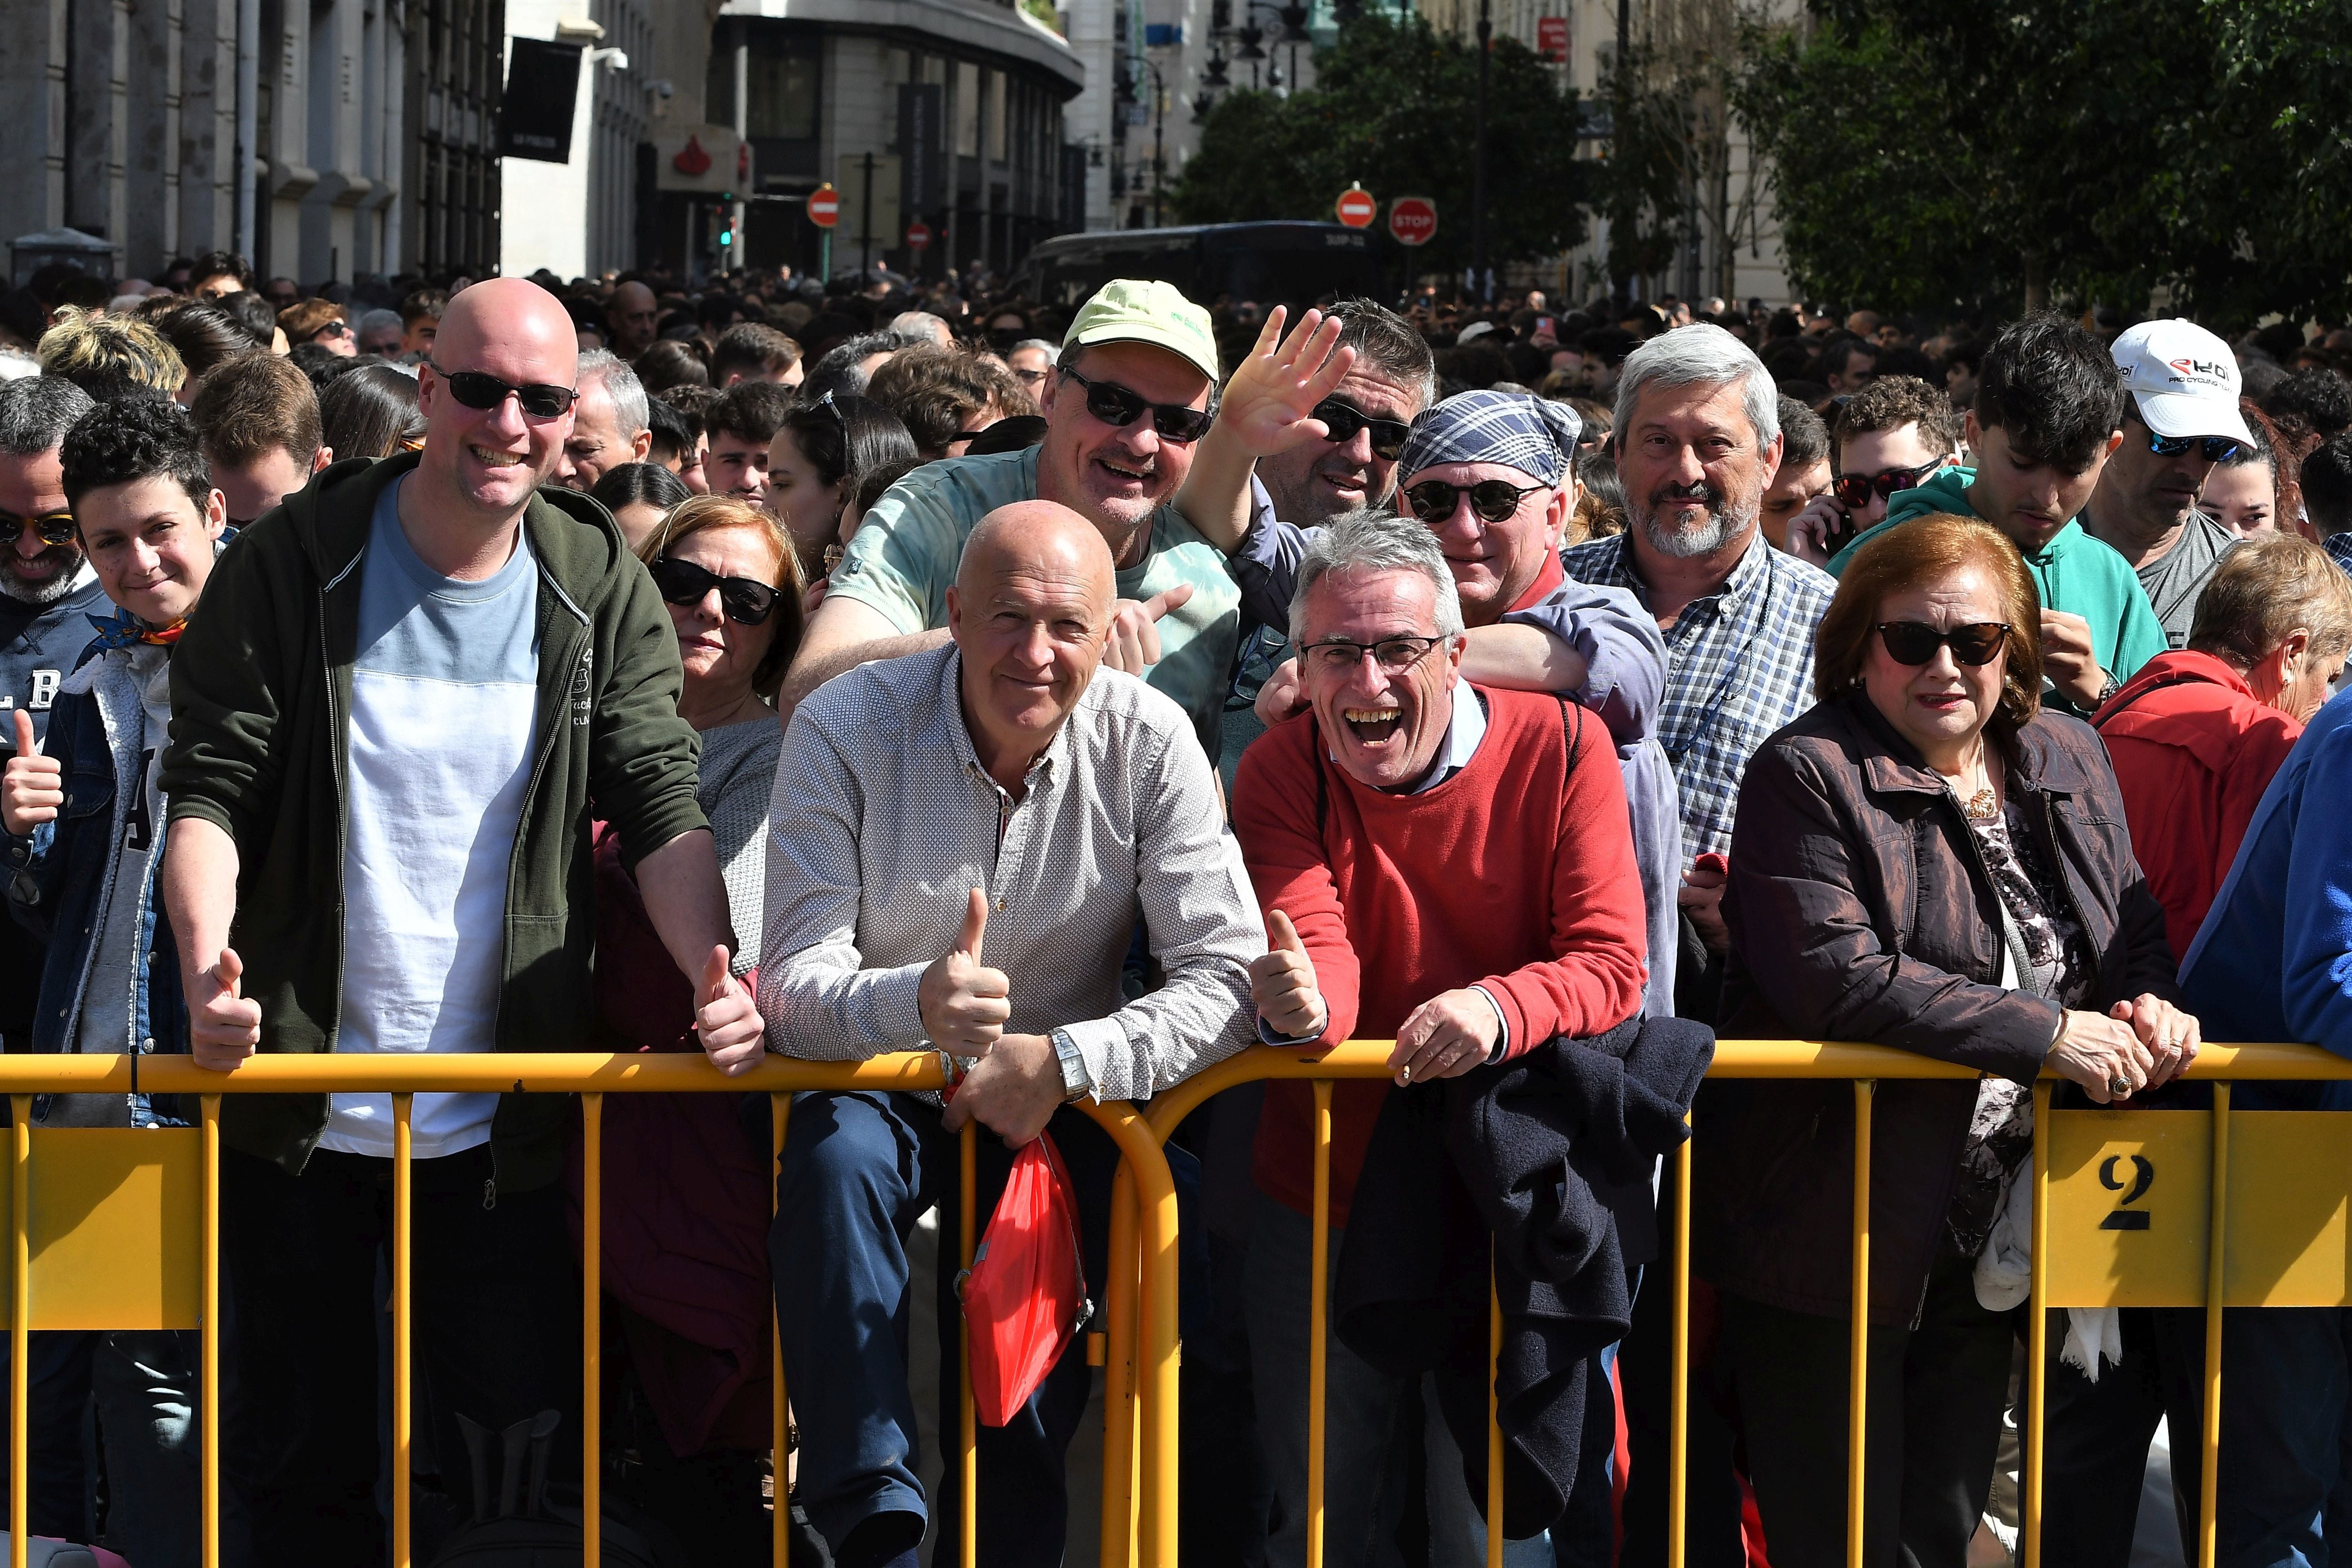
(1392, 108)
(1929, 153)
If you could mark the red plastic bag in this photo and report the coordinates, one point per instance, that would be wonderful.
(1026, 1294)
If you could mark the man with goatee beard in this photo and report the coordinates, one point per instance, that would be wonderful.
(48, 594)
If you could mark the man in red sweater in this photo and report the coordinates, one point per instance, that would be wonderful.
(1445, 864)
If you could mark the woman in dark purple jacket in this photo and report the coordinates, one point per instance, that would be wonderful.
(1924, 860)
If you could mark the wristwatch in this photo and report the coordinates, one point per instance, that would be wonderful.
(1077, 1080)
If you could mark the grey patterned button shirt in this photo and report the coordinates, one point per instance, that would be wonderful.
(884, 820)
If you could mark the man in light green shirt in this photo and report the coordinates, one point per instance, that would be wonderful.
(1132, 393)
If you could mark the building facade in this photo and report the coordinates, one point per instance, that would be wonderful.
(579, 218)
(134, 119)
(946, 115)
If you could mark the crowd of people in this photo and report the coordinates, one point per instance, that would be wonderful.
(1091, 695)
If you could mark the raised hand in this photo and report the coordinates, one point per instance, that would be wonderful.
(1282, 697)
(33, 786)
(1282, 982)
(1132, 641)
(728, 1019)
(223, 1028)
(2068, 658)
(1269, 401)
(965, 1005)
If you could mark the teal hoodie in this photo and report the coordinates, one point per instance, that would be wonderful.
(2074, 573)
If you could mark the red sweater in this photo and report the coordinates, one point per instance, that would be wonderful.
(2193, 749)
(1515, 874)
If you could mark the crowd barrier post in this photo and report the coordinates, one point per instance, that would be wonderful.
(98, 1185)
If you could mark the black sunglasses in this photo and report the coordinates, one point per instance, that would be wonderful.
(1853, 490)
(1916, 642)
(1343, 421)
(480, 389)
(746, 603)
(1434, 501)
(54, 527)
(1115, 406)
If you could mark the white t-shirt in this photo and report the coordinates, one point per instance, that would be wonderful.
(444, 693)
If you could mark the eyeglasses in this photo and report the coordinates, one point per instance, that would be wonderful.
(1434, 501)
(1343, 421)
(1115, 406)
(746, 603)
(1337, 656)
(480, 389)
(1914, 642)
(1029, 378)
(54, 527)
(334, 328)
(2218, 448)
(1853, 490)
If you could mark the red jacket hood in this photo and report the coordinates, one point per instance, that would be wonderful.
(2191, 701)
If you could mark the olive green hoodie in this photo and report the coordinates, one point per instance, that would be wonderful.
(261, 697)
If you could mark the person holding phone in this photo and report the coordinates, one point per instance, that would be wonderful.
(1892, 436)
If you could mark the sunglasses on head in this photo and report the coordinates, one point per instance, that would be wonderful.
(1434, 501)
(1115, 406)
(1343, 421)
(1914, 642)
(1853, 490)
(54, 527)
(480, 389)
(746, 603)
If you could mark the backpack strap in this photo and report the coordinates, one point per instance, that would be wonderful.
(2181, 678)
(1571, 725)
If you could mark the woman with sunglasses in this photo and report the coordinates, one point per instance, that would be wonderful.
(814, 463)
(1930, 861)
(684, 1192)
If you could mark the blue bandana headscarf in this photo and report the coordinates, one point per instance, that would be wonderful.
(1533, 434)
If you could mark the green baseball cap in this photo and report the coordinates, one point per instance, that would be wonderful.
(1145, 310)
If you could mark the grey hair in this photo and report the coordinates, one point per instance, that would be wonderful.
(1388, 343)
(629, 393)
(1701, 354)
(1053, 351)
(1367, 540)
(36, 412)
(373, 320)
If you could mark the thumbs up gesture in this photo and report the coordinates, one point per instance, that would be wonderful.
(223, 1028)
(727, 1018)
(1281, 984)
(964, 1003)
(33, 786)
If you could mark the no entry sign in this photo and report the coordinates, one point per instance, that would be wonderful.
(824, 207)
(1413, 220)
(1357, 208)
(918, 236)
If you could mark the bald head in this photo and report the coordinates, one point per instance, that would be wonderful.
(1042, 539)
(480, 464)
(1029, 612)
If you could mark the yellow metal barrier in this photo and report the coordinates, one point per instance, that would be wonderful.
(2256, 1230)
(126, 1234)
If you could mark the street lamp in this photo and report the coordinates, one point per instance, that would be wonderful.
(1159, 135)
(1478, 158)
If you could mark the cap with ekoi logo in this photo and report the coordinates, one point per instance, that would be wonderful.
(2185, 379)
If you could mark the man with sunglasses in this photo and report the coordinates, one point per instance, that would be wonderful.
(1893, 435)
(411, 688)
(1132, 395)
(2180, 422)
(47, 593)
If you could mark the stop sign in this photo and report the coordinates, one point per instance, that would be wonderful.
(918, 235)
(1357, 207)
(1413, 220)
(824, 207)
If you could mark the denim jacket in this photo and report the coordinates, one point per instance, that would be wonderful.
(60, 877)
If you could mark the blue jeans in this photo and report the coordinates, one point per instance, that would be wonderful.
(144, 1382)
(1364, 1477)
(857, 1170)
(2285, 1487)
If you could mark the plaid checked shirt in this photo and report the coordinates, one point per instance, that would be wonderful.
(2339, 548)
(1739, 666)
